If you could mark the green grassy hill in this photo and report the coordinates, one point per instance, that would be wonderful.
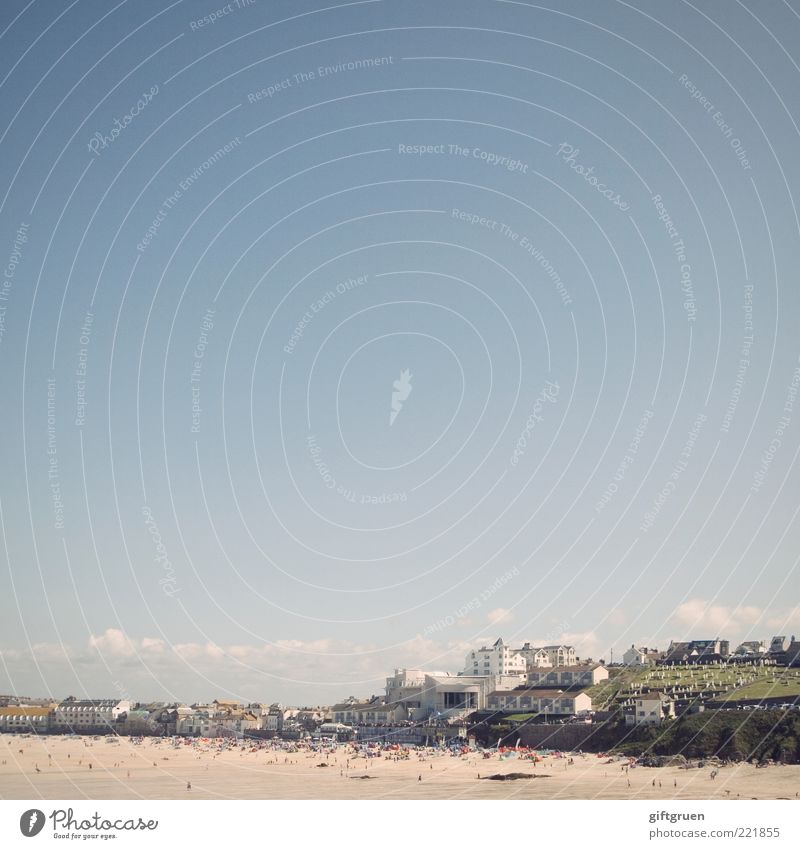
(759, 735)
(733, 683)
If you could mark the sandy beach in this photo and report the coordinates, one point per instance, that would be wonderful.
(59, 767)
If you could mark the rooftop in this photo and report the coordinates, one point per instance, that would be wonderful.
(538, 694)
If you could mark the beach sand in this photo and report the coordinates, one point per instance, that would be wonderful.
(156, 770)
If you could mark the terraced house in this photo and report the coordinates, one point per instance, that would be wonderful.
(580, 675)
(21, 719)
(88, 714)
(547, 702)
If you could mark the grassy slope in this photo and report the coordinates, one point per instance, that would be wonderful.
(745, 683)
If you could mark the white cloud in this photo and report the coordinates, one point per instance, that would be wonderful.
(499, 614)
(786, 621)
(617, 617)
(309, 662)
(112, 643)
(698, 614)
(587, 643)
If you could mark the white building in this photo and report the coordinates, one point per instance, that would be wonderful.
(568, 676)
(423, 694)
(641, 656)
(405, 688)
(548, 702)
(77, 714)
(561, 655)
(204, 722)
(198, 723)
(349, 711)
(376, 714)
(498, 659)
(273, 717)
(651, 709)
(534, 657)
(237, 722)
(751, 648)
(451, 696)
(21, 719)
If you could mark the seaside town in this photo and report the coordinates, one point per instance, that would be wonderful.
(715, 723)
(501, 690)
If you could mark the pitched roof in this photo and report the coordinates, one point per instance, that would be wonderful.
(577, 667)
(537, 694)
(651, 695)
(26, 710)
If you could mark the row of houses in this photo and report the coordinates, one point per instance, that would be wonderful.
(218, 718)
(780, 651)
(501, 659)
(541, 701)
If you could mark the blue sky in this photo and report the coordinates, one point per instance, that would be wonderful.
(228, 230)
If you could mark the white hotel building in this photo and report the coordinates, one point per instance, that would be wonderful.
(77, 714)
(498, 659)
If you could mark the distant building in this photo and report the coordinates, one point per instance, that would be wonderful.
(273, 718)
(498, 659)
(198, 723)
(85, 714)
(534, 657)
(568, 676)
(406, 687)
(561, 655)
(697, 651)
(336, 730)
(8, 700)
(547, 702)
(447, 697)
(377, 714)
(306, 718)
(777, 645)
(641, 656)
(790, 656)
(651, 709)
(139, 720)
(237, 722)
(209, 722)
(750, 648)
(348, 711)
(22, 719)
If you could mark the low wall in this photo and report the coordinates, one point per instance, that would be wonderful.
(568, 738)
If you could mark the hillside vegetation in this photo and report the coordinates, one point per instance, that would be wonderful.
(759, 735)
(730, 683)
